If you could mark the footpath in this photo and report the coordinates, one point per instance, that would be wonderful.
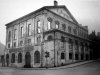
(54, 68)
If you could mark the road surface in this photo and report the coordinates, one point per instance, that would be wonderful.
(92, 68)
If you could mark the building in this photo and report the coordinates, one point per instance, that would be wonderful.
(47, 37)
(98, 34)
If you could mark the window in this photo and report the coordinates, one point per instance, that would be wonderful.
(19, 57)
(29, 41)
(8, 45)
(21, 43)
(64, 27)
(29, 29)
(63, 39)
(37, 57)
(38, 40)
(9, 36)
(15, 34)
(70, 55)
(38, 27)
(49, 25)
(76, 57)
(75, 31)
(69, 29)
(13, 58)
(14, 44)
(21, 31)
(50, 38)
(62, 55)
(57, 24)
(76, 45)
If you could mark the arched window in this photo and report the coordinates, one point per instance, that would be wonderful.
(50, 38)
(13, 58)
(57, 24)
(37, 57)
(19, 57)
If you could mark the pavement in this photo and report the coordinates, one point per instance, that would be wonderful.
(91, 67)
(54, 68)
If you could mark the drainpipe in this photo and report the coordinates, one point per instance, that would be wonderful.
(54, 49)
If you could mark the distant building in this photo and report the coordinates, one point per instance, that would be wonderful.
(47, 37)
(98, 34)
(2, 60)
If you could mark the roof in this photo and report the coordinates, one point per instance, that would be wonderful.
(45, 7)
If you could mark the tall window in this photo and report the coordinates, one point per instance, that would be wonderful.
(14, 44)
(15, 34)
(37, 57)
(22, 31)
(75, 31)
(57, 24)
(38, 40)
(38, 27)
(29, 29)
(49, 25)
(69, 29)
(9, 36)
(21, 43)
(70, 55)
(19, 57)
(13, 58)
(64, 27)
(62, 55)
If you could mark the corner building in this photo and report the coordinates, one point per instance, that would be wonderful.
(47, 37)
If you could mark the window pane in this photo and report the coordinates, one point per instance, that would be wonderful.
(29, 29)
(21, 31)
(38, 27)
(49, 25)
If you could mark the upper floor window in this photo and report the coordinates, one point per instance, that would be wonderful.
(14, 44)
(64, 27)
(9, 36)
(29, 41)
(21, 43)
(50, 38)
(8, 45)
(22, 31)
(38, 27)
(75, 31)
(15, 34)
(57, 24)
(49, 23)
(38, 40)
(69, 29)
(29, 29)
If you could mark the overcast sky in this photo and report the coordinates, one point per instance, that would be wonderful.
(86, 12)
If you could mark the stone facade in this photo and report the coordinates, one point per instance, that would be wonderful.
(47, 37)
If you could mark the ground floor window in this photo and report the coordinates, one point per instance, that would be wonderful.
(76, 57)
(37, 57)
(13, 58)
(70, 56)
(19, 57)
(82, 56)
(62, 55)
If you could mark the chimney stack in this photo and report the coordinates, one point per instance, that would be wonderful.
(55, 3)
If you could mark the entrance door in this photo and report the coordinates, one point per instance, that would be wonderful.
(27, 60)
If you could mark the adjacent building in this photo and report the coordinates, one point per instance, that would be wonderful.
(47, 37)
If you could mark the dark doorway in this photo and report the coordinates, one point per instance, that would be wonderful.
(7, 59)
(27, 60)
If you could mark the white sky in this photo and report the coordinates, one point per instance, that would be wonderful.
(86, 12)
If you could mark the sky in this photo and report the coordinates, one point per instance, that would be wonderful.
(86, 12)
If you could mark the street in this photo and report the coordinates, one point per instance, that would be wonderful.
(92, 68)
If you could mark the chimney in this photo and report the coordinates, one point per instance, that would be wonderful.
(55, 3)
